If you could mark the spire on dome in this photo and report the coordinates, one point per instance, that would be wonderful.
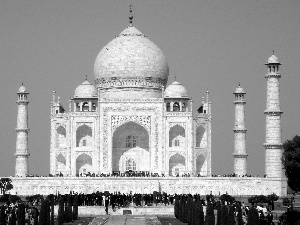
(207, 94)
(85, 77)
(130, 15)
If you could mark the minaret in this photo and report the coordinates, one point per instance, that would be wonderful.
(273, 145)
(240, 154)
(22, 154)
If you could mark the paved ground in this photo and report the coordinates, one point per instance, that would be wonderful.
(136, 220)
(169, 220)
(81, 221)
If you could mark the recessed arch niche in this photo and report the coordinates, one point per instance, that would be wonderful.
(176, 132)
(176, 165)
(84, 136)
(130, 140)
(84, 164)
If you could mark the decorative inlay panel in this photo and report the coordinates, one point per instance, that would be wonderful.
(117, 121)
(89, 124)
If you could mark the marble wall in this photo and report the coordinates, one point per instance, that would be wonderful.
(183, 185)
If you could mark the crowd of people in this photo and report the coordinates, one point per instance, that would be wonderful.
(9, 213)
(10, 209)
(138, 174)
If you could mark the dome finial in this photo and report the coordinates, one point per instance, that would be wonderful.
(175, 78)
(85, 77)
(130, 15)
(273, 52)
(239, 84)
(22, 84)
(207, 94)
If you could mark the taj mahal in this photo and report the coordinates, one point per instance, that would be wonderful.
(132, 121)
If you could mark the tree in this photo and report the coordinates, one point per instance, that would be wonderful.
(227, 198)
(219, 213)
(43, 213)
(61, 211)
(210, 216)
(231, 218)
(2, 216)
(224, 214)
(21, 214)
(5, 184)
(239, 216)
(291, 162)
(75, 208)
(52, 209)
(201, 213)
(13, 218)
(69, 209)
(253, 218)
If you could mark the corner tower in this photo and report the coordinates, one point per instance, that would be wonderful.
(273, 145)
(22, 154)
(240, 154)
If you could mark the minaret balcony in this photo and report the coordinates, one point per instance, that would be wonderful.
(275, 112)
(276, 75)
(236, 155)
(239, 130)
(272, 146)
(22, 154)
(22, 129)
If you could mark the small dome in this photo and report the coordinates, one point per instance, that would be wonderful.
(22, 89)
(176, 90)
(239, 90)
(85, 90)
(273, 59)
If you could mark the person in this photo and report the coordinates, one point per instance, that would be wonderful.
(106, 203)
(269, 218)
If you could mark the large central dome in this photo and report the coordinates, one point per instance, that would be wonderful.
(131, 66)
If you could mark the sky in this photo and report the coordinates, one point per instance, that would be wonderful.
(210, 45)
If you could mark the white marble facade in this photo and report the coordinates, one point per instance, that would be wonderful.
(130, 120)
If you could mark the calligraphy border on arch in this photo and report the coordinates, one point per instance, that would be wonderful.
(118, 120)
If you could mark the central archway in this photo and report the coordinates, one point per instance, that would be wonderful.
(130, 144)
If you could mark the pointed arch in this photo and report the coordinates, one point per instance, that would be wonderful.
(168, 107)
(84, 164)
(60, 137)
(176, 164)
(60, 163)
(84, 136)
(199, 135)
(131, 140)
(176, 132)
(176, 107)
(199, 163)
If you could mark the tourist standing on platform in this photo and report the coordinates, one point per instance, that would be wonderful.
(106, 203)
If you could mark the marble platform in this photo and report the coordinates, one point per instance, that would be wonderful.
(246, 186)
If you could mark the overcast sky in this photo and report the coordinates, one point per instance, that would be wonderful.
(208, 44)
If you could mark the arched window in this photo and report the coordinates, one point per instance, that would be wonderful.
(94, 107)
(77, 107)
(183, 107)
(131, 141)
(176, 107)
(130, 165)
(85, 106)
(168, 107)
(177, 143)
